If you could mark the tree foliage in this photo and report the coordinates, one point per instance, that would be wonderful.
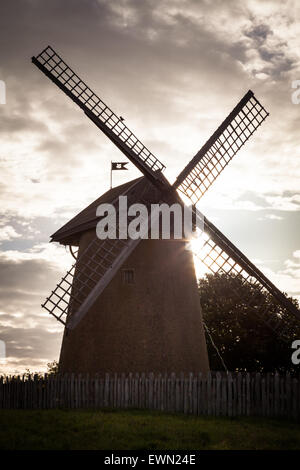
(52, 368)
(243, 339)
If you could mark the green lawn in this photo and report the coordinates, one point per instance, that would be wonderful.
(130, 430)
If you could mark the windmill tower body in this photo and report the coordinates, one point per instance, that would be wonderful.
(148, 318)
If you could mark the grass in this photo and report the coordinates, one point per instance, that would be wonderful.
(131, 430)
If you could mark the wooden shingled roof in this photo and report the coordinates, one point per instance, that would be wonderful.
(70, 233)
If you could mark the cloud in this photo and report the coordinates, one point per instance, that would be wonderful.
(32, 337)
(296, 254)
(8, 233)
(269, 53)
(288, 278)
(259, 33)
(273, 217)
(197, 42)
(284, 203)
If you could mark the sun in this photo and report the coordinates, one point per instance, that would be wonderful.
(197, 246)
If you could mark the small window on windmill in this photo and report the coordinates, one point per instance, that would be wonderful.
(128, 276)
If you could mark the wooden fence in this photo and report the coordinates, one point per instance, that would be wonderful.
(216, 394)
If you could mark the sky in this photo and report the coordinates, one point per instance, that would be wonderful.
(173, 69)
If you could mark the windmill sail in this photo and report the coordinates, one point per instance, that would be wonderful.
(53, 66)
(95, 267)
(220, 255)
(87, 278)
(219, 150)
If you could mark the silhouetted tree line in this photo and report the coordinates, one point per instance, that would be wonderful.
(243, 339)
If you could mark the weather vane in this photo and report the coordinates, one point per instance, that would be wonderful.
(117, 166)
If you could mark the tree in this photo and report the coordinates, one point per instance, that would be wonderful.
(243, 339)
(52, 368)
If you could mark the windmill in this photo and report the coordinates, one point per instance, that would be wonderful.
(132, 305)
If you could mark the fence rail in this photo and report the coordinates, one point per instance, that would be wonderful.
(215, 394)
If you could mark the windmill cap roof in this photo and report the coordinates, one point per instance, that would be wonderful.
(70, 233)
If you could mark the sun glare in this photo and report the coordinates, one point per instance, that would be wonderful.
(197, 246)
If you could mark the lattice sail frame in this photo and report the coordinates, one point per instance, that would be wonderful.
(94, 267)
(71, 291)
(93, 270)
(219, 255)
(219, 150)
(52, 65)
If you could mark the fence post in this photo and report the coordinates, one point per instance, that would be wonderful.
(263, 396)
(295, 398)
(150, 392)
(106, 390)
(288, 396)
(195, 395)
(208, 393)
(234, 392)
(257, 408)
(224, 395)
(276, 394)
(218, 393)
(248, 394)
(269, 395)
(126, 392)
(229, 382)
